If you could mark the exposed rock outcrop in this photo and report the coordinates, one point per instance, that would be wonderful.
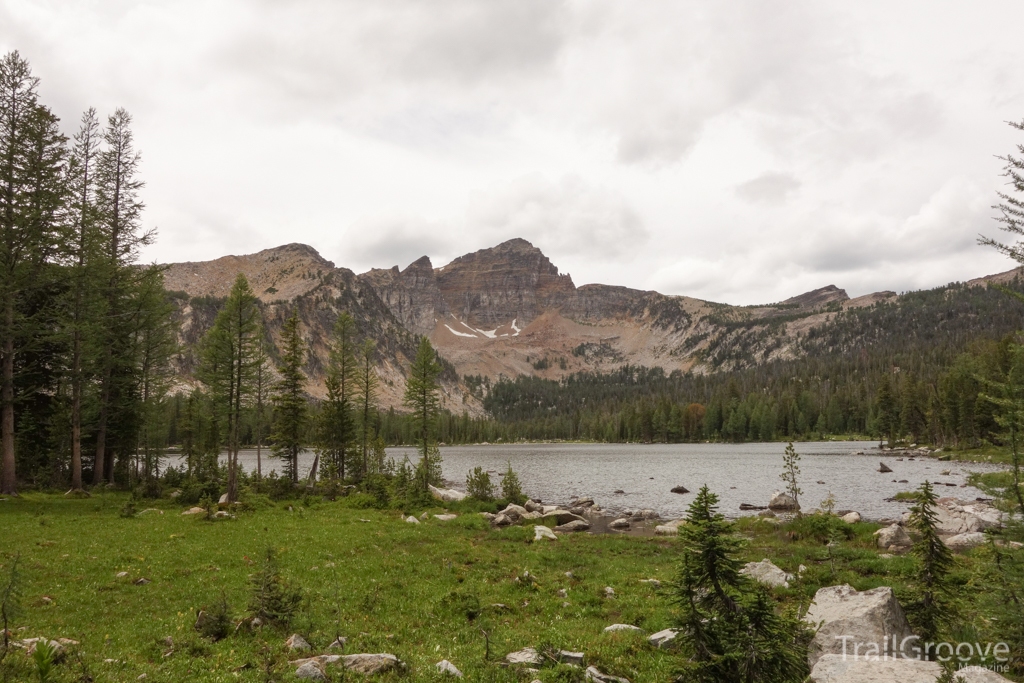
(872, 620)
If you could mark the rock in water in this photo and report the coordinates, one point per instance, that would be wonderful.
(883, 468)
(873, 619)
(446, 667)
(663, 639)
(542, 532)
(621, 523)
(596, 675)
(577, 525)
(558, 517)
(893, 536)
(525, 656)
(767, 573)
(680, 489)
(784, 502)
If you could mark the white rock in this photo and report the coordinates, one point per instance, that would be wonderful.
(501, 520)
(447, 495)
(567, 657)
(609, 591)
(194, 511)
(577, 525)
(783, 501)
(621, 523)
(654, 583)
(310, 671)
(445, 518)
(541, 532)
(596, 675)
(122, 575)
(371, 663)
(867, 617)
(412, 520)
(622, 627)
(837, 669)
(851, 517)
(663, 639)
(525, 656)
(893, 536)
(666, 530)
(965, 541)
(338, 644)
(446, 667)
(558, 517)
(223, 500)
(297, 642)
(767, 573)
(514, 512)
(958, 517)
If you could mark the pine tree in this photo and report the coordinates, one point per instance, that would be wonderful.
(32, 200)
(421, 396)
(120, 213)
(289, 399)
(933, 608)
(261, 385)
(85, 246)
(790, 472)
(887, 415)
(231, 359)
(728, 624)
(337, 429)
(366, 385)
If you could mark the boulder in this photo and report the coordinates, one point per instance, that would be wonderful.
(338, 643)
(412, 520)
(545, 509)
(541, 533)
(446, 667)
(501, 520)
(576, 525)
(514, 512)
(556, 517)
(489, 516)
(445, 518)
(567, 657)
(583, 502)
(839, 669)
(223, 500)
(447, 495)
(966, 541)
(893, 536)
(532, 506)
(310, 671)
(621, 523)
(577, 510)
(596, 675)
(679, 489)
(748, 506)
(371, 663)
(295, 642)
(622, 627)
(958, 517)
(785, 502)
(644, 514)
(873, 619)
(883, 468)
(768, 514)
(194, 511)
(767, 573)
(525, 656)
(663, 639)
(851, 517)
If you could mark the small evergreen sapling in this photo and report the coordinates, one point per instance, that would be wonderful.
(478, 485)
(511, 488)
(272, 599)
(933, 608)
(790, 472)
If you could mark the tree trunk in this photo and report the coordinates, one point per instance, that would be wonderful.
(8, 485)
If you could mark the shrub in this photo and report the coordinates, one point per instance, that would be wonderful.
(478, 484)
(511, 488)
(215, 622)
(272, 599)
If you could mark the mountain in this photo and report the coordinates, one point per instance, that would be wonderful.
(507, 311)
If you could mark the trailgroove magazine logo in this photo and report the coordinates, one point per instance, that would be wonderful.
(992, 656)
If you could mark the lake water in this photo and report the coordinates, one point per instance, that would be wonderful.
(738, 473)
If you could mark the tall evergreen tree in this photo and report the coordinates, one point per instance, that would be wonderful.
(887, 412)
(337, 428)
(230, 363)
(84, 256)
(32, 199)
(366, 385)
(290, 399)
(421, 396)
(120, 213)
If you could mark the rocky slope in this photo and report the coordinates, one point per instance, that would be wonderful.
(502, 311)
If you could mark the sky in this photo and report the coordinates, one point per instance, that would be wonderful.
(742, 152)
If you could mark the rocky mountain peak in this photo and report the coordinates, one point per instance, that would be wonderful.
(817, 298)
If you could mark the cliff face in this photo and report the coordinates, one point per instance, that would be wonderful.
(502, 311)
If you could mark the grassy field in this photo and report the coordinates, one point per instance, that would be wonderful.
(385, 584)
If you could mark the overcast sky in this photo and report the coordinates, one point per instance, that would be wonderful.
(735, 151)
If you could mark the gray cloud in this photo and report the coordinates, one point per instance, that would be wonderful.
(772, 187)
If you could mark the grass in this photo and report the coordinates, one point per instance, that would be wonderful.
(423, 592)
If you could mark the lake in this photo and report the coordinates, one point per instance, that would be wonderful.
(738, 473)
